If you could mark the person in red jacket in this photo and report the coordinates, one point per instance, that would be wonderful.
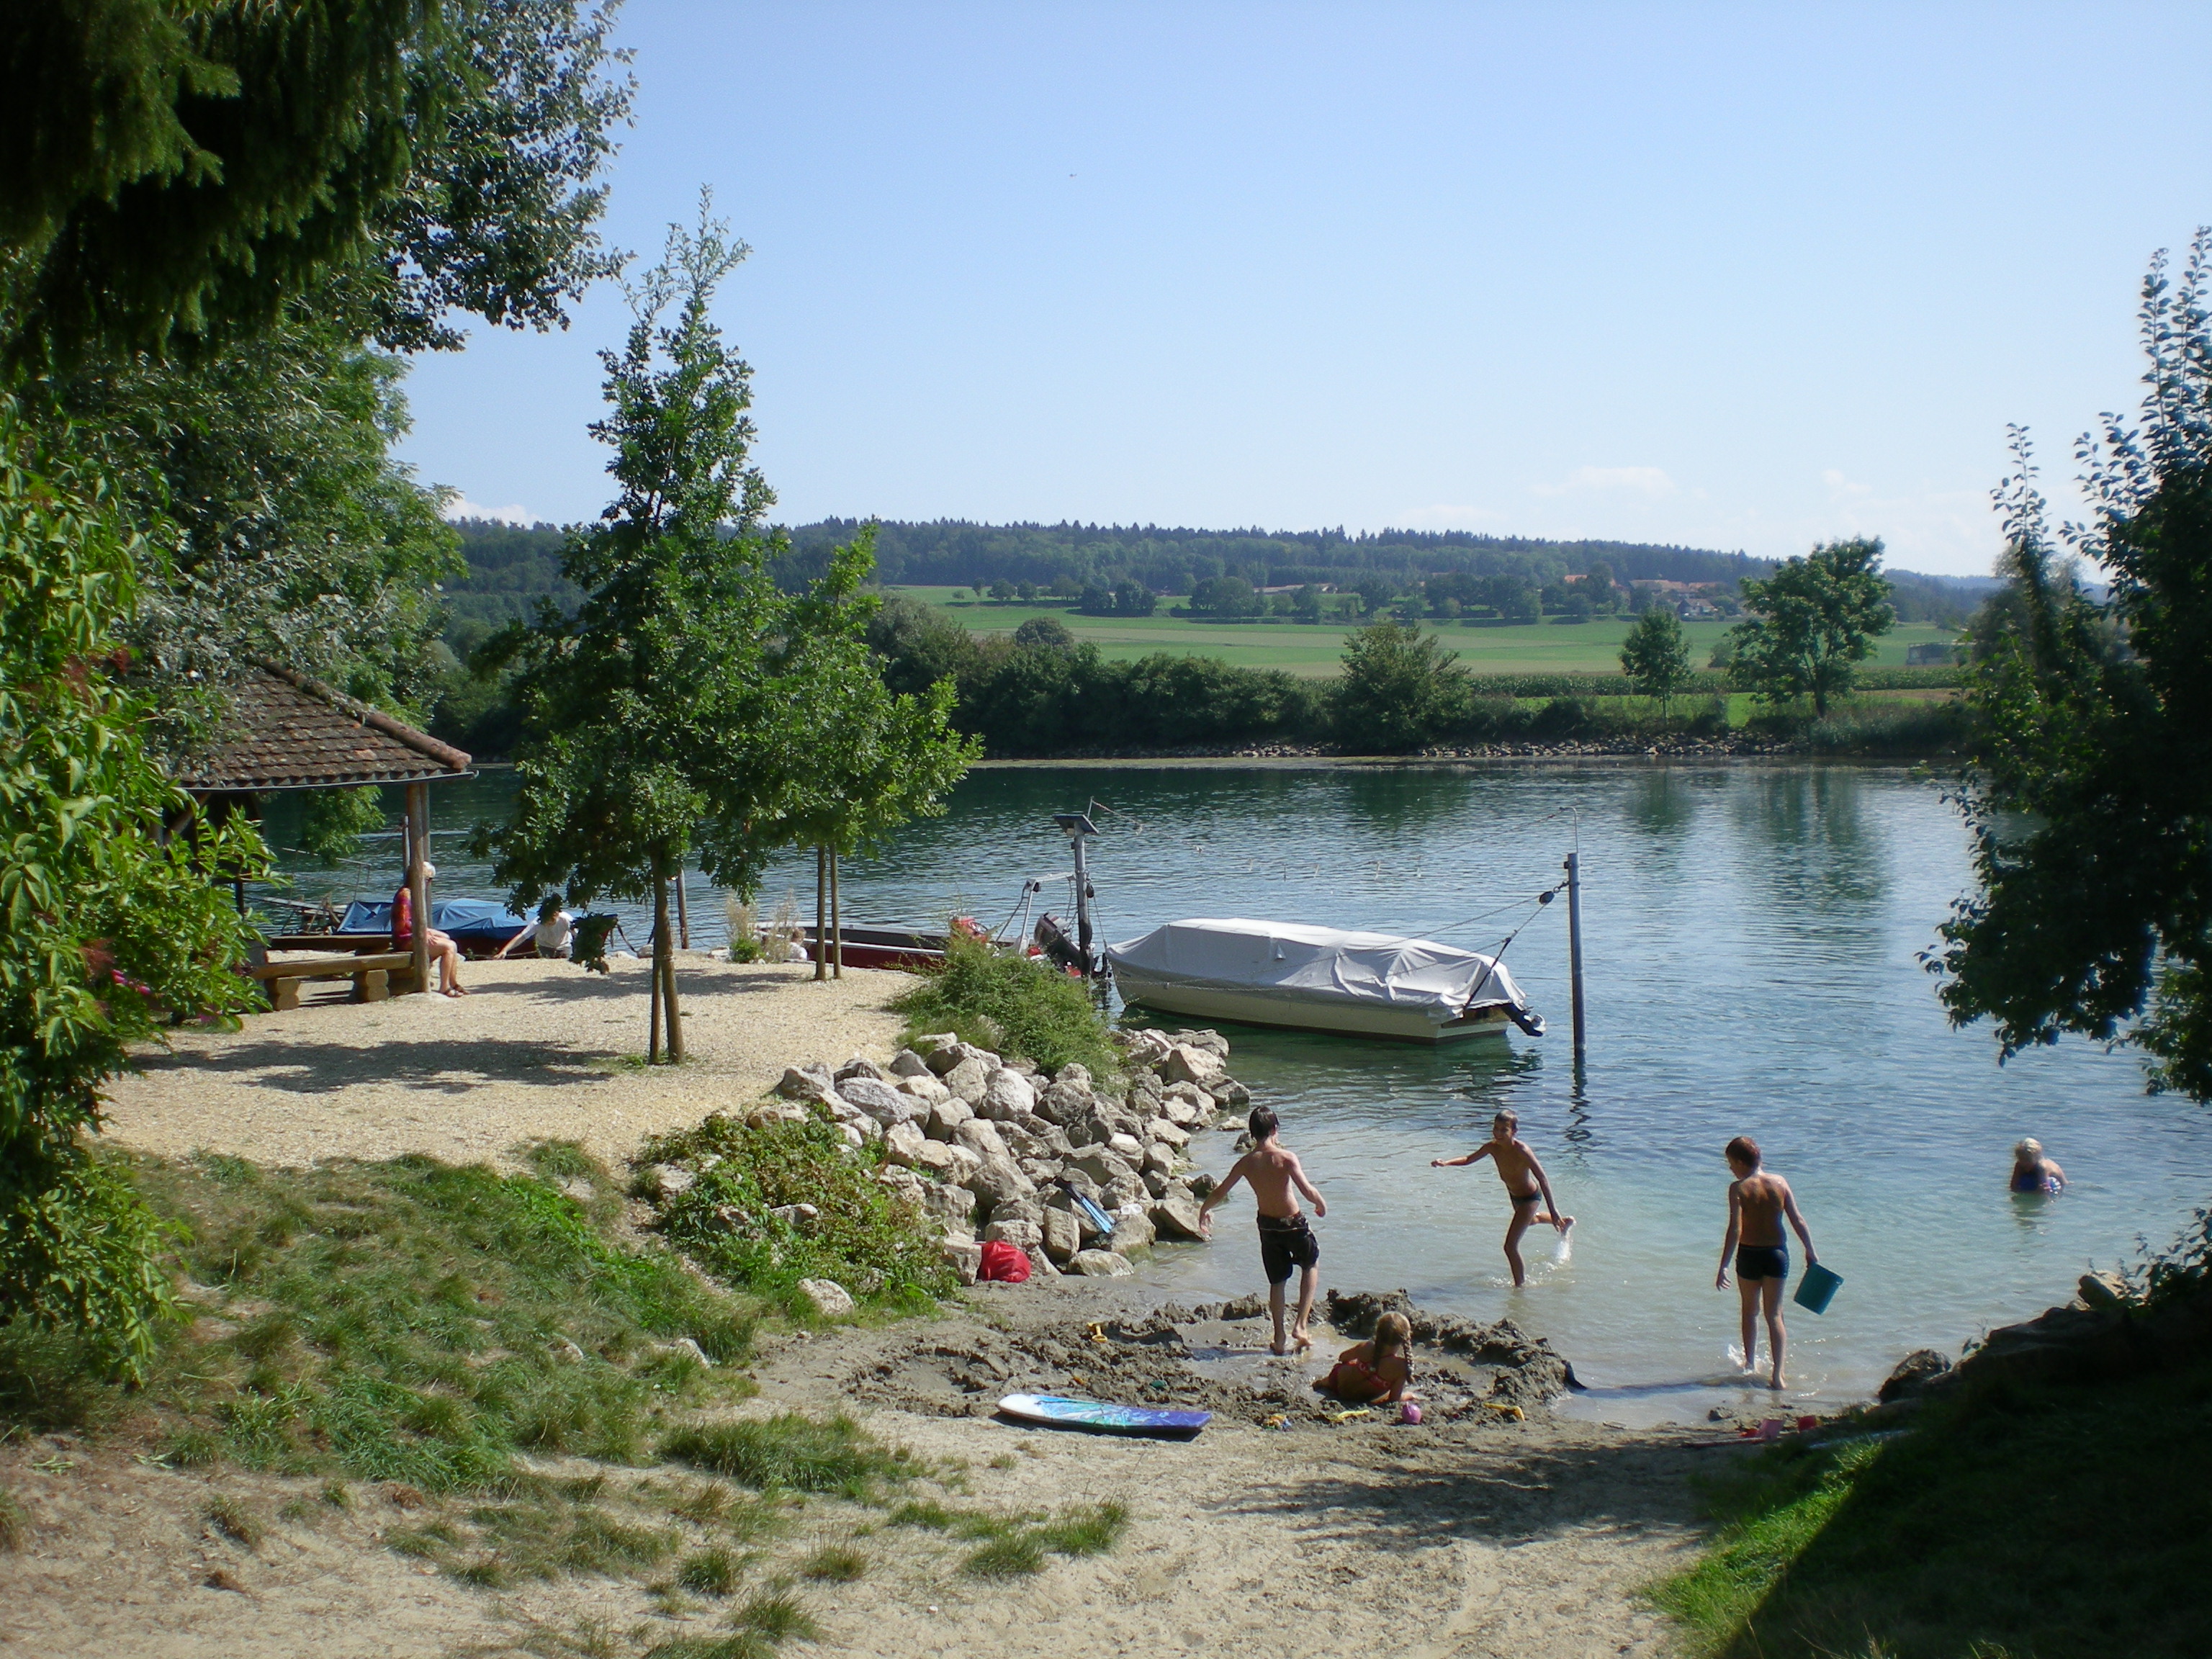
(443, 951)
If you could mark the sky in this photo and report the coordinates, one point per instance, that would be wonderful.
(1745, 278)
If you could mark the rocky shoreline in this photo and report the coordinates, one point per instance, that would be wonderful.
(1077, 1173)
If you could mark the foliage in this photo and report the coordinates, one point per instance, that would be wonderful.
(108, 926)
(1043, 634)
(864, 1237)
(2091, 794)
(1811, 622)
(1656, 656)
(789, 1451)
(1013, 1005)
(1982, 1530)
(1401, 688)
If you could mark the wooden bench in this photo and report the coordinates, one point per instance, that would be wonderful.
(369, 975)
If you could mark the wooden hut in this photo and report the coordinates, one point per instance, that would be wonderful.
(287, 731)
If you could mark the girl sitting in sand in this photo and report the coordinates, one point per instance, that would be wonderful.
(1376, 1370)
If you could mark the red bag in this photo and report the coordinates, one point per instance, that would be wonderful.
(1004, 1262)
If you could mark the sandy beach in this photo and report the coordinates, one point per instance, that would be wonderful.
(1477, 1537)
(540, 1050)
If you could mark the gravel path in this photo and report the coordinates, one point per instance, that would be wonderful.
(541, 1050)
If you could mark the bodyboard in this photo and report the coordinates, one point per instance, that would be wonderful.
(1061, 1411)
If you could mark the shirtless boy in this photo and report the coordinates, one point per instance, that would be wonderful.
(1286, 1241)
(1526, 1184)
(1758, 1203)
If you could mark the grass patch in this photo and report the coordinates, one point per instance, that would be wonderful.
(866, 1237)
(1089, 1531)
(15, 1523)
(712, 1571)
(1005, 1558)
(1012, 1005)
(234, 1521)
(791, 1452)
(2061, 1522)
(777, 1616)
(746, 1644)
(835, 1563)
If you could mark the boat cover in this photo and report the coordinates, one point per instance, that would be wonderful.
(464, 918)
(1321, 964)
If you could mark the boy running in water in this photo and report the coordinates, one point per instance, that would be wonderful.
(1286, 1241)
(1526, 1184)
(1758, 1203)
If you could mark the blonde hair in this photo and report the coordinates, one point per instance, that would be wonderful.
(1393, 1330)
(2028, 1152)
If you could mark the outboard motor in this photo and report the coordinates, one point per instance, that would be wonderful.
(1051, 939)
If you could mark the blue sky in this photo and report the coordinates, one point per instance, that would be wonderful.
(1735, 278)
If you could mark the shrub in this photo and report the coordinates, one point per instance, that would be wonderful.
(865, 1236)
(1014, 1004)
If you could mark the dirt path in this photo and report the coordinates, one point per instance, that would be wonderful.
(1483, 1538)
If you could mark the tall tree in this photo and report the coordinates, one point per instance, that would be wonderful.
(109, 925)
(1656, 656)
(664, 717)
(1812, 621)
(1401, 688)
(2090, 799)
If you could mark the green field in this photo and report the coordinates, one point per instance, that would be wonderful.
(1314, 650)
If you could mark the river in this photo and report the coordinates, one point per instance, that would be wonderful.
(1753, 937)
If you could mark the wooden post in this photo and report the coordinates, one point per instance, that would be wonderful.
(1575, 945)
(418, 881)
(836, 923)
(682, 911)
(821, 912)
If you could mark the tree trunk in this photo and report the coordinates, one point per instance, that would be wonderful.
(682, 911)
(664, 1014)
(821, 912)
(836, 923)
(675, 1013)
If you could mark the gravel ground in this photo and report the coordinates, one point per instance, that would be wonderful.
(540, 1050)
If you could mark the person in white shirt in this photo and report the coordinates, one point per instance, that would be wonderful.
(552, 934)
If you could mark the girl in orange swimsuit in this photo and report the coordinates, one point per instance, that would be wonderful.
(1374, 1371)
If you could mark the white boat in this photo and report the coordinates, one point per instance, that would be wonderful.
(1319, 979)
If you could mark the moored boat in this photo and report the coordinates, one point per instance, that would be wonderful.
(1319, 979)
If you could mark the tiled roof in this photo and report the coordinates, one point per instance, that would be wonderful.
(287, 732)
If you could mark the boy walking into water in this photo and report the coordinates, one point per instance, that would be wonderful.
(1526, 1184)
(1758, 1204)
(1286, 1241)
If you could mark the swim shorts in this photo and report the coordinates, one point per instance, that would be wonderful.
(1285, 1241)
(1762, 1261)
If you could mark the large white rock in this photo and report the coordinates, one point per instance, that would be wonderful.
(964, 1256)
(1100, 1264)
(1000, 1179)
(1024, 1236)
(1163, 1133)
(954, 1163)
(980, 1136)
(904, 1144)
(1127, 1148)
(1007, 1094)
(858, 1065)
(907, 1063)
(924, 1088)
(1175, 1218)
(877, 1099)
(968, 1081)
(946, 1117)
(951, 1207)
(830, 1299)
(1186, 1064)
(812, 1081)
(1062, 1238)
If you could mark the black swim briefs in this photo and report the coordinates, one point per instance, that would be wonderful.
(1285, 1241)
(1762, 1261)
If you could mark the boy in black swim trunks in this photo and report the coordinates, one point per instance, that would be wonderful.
(1286, 1241)
(1758, 1203)
(1526, 1185)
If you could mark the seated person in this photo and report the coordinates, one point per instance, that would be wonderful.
(1376, 1371)
(2032, 1172)
(443, 951)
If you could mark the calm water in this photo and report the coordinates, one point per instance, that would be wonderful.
(1751, 937)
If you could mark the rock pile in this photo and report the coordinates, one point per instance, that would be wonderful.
(993, 1150)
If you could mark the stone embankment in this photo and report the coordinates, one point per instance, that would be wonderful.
(995, 1150)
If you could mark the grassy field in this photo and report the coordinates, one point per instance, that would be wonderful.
(1314, 651)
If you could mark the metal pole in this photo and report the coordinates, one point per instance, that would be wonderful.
(836, 923)
(1082, 902)
(418, 882)
(821, 912)
(1575, 943)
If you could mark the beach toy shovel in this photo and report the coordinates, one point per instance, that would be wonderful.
(1818, 1288)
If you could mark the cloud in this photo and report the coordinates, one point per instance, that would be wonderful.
(1840, 486)
(460, 506)
(1443, 516)
(1650, 481)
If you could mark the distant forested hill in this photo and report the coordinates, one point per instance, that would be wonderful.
(510, 568)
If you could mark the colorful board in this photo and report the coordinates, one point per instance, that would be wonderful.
(1061, 1411)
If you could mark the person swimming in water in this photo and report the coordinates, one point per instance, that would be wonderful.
(1526, 1184)
(2032, 1172)
(1758, 1204)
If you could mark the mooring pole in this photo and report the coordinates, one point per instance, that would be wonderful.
(682, 911)
(1575, 944)
(1079, 829)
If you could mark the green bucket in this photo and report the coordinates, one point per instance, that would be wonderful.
(1817, 1288)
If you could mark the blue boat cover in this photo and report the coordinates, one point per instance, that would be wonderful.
(464, 918)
